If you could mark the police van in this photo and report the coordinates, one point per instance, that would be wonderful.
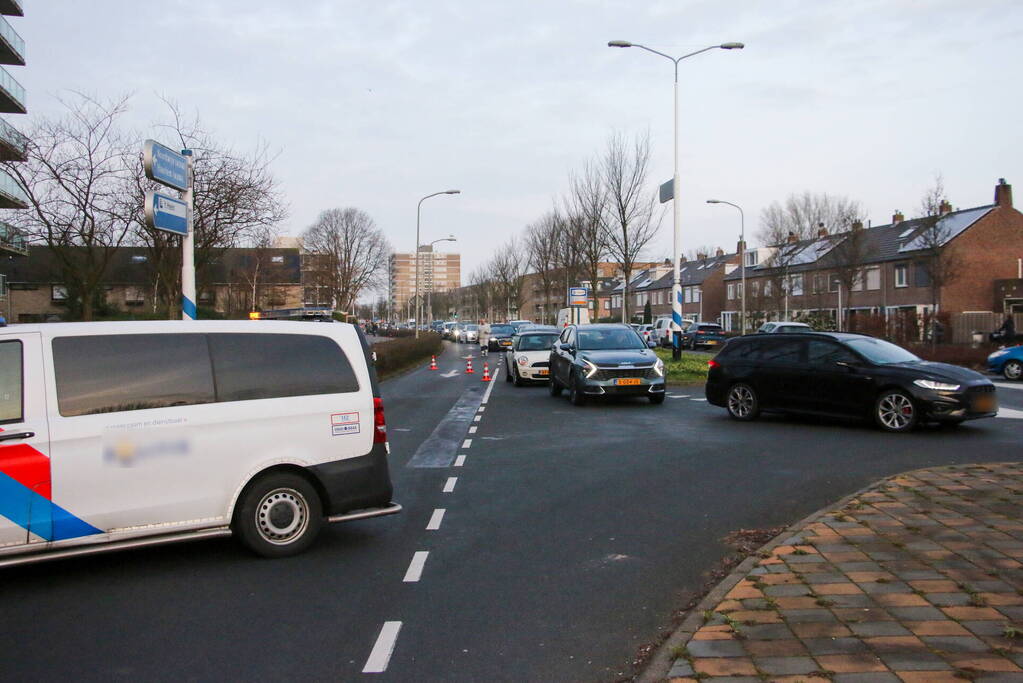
(119, 435)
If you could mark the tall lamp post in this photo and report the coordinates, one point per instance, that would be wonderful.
(676, 290)
(742, 253)
(429, 301)
(419, 211)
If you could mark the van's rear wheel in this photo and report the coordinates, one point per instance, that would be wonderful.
(280, 514)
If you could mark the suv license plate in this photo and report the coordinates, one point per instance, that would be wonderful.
(628, 382)
(985, 404)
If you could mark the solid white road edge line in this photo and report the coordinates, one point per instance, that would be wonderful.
(435, 519)
(380, 655)
(493, 383)
(415, 568)
(449, 485)
(459, 461)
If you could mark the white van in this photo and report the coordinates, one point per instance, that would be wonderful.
(115, 435)
(573, 316)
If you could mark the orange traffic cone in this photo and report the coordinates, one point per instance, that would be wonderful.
(468, 366)
(486, 373)
(433, 362)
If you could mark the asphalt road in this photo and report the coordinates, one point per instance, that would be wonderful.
(567, 538)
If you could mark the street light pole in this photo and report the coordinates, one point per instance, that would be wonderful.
(419, 210)
(429, 300)
(676, 190)
(742, 253)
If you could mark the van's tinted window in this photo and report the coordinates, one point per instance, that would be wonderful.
(251, 366)
(11, 409)
(114, 372)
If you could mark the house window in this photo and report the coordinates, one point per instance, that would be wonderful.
(697, 291)
(139, 258)
(731, 291)
(751, 258)
(834, 284)
(923, 278)
(276, 259)
(58, 293)
(902, 275)
(796, 285)
(768, 288)
(857, 285)
(134, 296)
(873, 278)
(820, 283)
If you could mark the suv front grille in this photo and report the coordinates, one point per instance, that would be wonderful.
(608, 374)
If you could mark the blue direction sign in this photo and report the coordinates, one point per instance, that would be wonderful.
(578, 296)
(166, 213)
(165, 166)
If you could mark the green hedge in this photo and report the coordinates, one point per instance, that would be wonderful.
(396, 355)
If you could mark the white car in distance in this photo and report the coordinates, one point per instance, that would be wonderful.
(530, 355)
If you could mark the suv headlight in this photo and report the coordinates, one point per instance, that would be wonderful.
(935, 386)
(590, 368)
(659, 367)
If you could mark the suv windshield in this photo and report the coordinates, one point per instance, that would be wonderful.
(881, 352)
(609, 338)
(502, 329)
(536, 342)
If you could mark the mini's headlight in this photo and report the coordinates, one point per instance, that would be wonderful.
(522, 360)
(591, 369)
(659, 367)
(936, 386)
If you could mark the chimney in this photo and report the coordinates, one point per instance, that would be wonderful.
(821, 230)
(1003, 194)
(719, 252)
(897, 217)
(792, 237)
(857, 225)
(740, 247)
(945, 207)
(700, 256)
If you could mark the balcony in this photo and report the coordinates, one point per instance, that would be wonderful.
(12, 46)
(11, 240)
(12, 94)
(13, 145)
(11, 8)
(11, 194)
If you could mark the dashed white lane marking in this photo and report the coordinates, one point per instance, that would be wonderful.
(449, 485)
(493, 383)
(380, 656)
(467, 443)
(1010, 413)
(415, 568)
(459, 461)
(697, 399)
(472, 430)
(435, 519)
(482, 408)
(477, 418)
(1006, 385)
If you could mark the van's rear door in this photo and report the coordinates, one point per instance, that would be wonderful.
(26, 508)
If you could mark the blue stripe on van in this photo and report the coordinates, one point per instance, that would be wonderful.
(42, 517)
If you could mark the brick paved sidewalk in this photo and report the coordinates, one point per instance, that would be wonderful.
(917, 579)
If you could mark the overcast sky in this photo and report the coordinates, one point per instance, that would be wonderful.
(374, 104)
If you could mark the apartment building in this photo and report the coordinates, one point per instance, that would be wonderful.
(13, 145)
(438, 272)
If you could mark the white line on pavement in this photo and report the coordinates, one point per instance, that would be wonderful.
(380, 656)
(1006, 385)
(449, 485)
(415, 569)
(459, 461)
(493, 383)
(435, 519)
(1010, 413)
(477, 418)
(467, 443)
(697, 399)
(472, 430)
(482, 408)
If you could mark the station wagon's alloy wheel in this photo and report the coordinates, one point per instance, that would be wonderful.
(742, 402)
(1013, 370)
(279, 514)
(895, 412)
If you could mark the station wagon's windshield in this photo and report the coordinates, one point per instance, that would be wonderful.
(611, 338)
(881, 352)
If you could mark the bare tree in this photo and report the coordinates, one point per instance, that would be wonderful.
(845, 262)
(542, 253)
(482, 288)
(802, 214)
(935, 198)
(257, 268)
(694, 253)
(349, 248)
(235, 197)
(74, 177)
(508, 270)
(629, 210)
(942, 265)
(588, 202)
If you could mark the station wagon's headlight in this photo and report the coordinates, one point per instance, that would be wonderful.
(659, 367)
(591, 369)
(935, 386)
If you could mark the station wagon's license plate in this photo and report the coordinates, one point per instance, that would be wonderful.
(543, 373)
(628, 382)
(985, 404)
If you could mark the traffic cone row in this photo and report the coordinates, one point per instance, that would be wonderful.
(468, 366)
(486, 372)
(433, 362)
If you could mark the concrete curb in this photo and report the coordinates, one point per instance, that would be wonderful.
(660, 664)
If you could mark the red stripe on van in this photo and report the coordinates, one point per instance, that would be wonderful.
(27, 466)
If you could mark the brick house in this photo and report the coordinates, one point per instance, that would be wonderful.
(894, 269)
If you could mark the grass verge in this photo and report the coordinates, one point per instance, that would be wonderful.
(690, 369)
(395, 356)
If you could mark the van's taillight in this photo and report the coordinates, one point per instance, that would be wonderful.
(379, 426)
(713, 364)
